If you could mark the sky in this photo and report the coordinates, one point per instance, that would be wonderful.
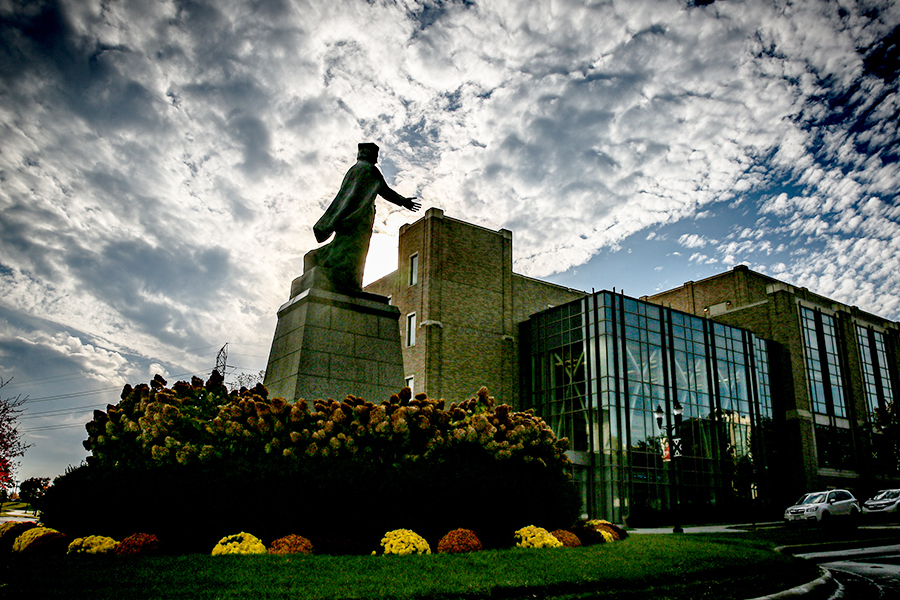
(162, 163)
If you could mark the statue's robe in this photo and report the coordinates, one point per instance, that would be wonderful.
(351, 217)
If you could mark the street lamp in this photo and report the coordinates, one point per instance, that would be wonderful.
(673, 449)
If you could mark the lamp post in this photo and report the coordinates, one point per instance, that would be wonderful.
(673, 449)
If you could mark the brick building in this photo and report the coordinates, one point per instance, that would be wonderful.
(776, 386)
(460, 304)
(833, 365)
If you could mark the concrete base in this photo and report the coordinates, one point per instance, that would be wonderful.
(329, 344)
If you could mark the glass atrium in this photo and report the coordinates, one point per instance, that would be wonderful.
(604, 371)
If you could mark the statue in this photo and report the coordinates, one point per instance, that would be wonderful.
(350, 217)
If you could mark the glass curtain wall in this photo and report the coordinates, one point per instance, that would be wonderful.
(834, 442)
(602, 369)
(879, 393)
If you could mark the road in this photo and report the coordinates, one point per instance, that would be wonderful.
(871, 573)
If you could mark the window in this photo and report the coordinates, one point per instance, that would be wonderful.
(414, 269)
(876, 378)
(823, 367)
(411, 383)
(411, 329)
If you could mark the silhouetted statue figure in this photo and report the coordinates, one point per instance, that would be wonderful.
(350, 217)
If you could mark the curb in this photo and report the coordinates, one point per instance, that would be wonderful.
(802, 590)
(827, 546)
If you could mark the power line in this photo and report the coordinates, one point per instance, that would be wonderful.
(58, 412)
(52, 427)
(90, 392)
(75, 374)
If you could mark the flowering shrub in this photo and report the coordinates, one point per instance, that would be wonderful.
(536, 537)
(139, 543)
(596, 531)
(41, 540)
(568, 539)
(194, 424)
(615, 530)
(291, 544)
(205, 441)
(240, 543)
(10, 530)
(93, 544)
(403, 542)
(459, 540)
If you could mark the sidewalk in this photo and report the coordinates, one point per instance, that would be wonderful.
(17, 515)
(725, 528)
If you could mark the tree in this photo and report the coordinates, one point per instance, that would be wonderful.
(11, 444)
(887, 423)
(32, 490)
(247, 380)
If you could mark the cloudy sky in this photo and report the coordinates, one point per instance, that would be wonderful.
(162, 162)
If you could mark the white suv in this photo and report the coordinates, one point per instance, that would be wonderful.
(821, 506)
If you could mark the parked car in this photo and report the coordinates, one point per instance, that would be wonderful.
(822, 506)
(884, 502)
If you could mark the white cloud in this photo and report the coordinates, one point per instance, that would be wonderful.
(163, 163)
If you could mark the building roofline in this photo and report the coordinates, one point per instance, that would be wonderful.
(551, 284)
(795, 288)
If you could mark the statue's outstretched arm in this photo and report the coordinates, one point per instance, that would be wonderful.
(392, 196)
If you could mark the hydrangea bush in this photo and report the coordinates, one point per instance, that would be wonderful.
(239, 543)
(92, 544)
(403, 542)
(192, 423)
(459, 540)
(536, 537)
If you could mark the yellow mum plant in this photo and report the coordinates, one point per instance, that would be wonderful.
(92, 544)
(403, 542)
(39, 539)
(240, 543)
(536, 537)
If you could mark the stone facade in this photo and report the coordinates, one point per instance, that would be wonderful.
(460, 305)
(330, 345)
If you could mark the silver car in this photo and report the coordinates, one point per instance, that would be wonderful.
(884, 502)
(822, 506)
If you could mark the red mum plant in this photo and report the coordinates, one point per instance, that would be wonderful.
(291, 544)
(139, 543)
(569, 539)
(459, 540)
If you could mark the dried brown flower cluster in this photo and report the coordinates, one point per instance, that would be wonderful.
(194, 423)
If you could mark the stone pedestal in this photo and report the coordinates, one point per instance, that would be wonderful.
(329, 344)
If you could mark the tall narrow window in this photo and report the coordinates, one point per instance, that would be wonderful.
(411, 383)
(414, 269)
(823, 367)
(411, 329)
(876, 377)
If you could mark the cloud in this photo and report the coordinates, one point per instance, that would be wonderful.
(692, 240)
(163, 162)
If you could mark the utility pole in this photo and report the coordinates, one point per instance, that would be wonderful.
(221, 360)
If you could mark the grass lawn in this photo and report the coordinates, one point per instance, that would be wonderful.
(643, 566)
